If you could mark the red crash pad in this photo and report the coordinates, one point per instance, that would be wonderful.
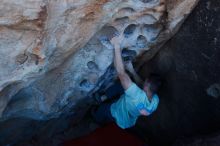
(110, 135)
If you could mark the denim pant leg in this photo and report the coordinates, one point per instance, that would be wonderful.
(116, 90)
(103, 114)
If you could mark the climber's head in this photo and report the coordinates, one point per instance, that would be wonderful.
(152, 84)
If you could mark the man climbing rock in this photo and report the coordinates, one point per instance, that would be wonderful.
(133, 101)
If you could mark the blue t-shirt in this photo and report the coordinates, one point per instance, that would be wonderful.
(126, 109)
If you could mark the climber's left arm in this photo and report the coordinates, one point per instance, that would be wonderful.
(131, 70)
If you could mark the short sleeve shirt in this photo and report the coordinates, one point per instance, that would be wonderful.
(126, 109)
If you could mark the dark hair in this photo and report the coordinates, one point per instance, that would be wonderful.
(155, 82)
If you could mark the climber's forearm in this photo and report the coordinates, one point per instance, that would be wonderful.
(119, 66)
(137, 78)
(134, 74)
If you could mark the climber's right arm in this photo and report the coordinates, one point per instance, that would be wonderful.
(119, 66)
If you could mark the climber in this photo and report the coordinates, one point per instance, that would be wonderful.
(133, 101)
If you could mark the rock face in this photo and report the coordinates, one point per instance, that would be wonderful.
(189, 97)
(54, 54)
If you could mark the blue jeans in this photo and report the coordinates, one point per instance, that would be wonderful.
(103, 113)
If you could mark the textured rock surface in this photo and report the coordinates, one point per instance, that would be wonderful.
(53, 54)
